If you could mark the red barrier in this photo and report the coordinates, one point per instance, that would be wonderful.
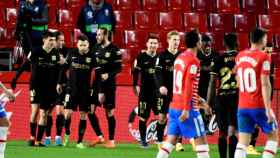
(125, 102)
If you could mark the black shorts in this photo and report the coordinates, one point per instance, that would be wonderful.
(146, 104)
(226, 111)
(163, 104)
(81, 100)
(45, 98)
(61, 97)
(110, 98)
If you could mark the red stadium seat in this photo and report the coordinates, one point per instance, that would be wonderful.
(73, 3)
(52, 16)
(2, 17)
(205, 6)
(244, 23)
(227, 6)
(221, 22)
(276, 41)
(11, 16)
(7, 3)
(76, 32)
(52, 2)
(195, 21)
(128, 56)
(65, 18)
(128, 5)
(135, 39)
(243, 41)
(179, 5)
(253, 6)
(68, 36)
(170, 21)
(146, 20)
(154, 5)
(273, 6)
(270, 22)
(124, 19)
(118, 38)
(75, 12)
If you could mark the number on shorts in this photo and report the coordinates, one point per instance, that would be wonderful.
(247, 80)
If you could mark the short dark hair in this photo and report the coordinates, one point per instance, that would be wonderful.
(206, 38)
(58, 33)
(47, 34)
(191, 38)
(152, 36)
(257, 34)
(230, 40)
(82, 37)
(107, 32)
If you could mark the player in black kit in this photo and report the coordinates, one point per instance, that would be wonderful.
(62, 50)
(227, 96)
(108, 60)
(164, 79)
(79, 62)
(147, 92)
(45, 62)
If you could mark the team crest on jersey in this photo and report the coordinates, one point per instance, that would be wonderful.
(88, 60)
(193, 69)
(107, 12)
(107, 54)
(53, 58)
(89, 15)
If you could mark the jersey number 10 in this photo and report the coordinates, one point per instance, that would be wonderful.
(247, 80)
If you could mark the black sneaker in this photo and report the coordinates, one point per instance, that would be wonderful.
(39, 144)
(31, 142)
(144, 144)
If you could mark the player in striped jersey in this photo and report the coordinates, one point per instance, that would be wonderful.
(184, 116)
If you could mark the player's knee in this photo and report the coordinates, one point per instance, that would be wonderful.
(231, 131)
(222, 134)
(273, 135)
(109, 113)
(83, 115)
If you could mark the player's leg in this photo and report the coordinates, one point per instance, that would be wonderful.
(143, 113)
(202, 147)
(94, 121)
(4, 126)
(232, 128)
(173, 131)
(162, 106)
(82, 128)
(70, 105)
(251, 150)
(41, 124)
(49, 127)
(246, 126)
(109, 105)
(222, 120)
(59, 124)
(271, 130)
(33, 123)
(167, 146)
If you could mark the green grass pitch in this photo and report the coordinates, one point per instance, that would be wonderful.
(19, 149)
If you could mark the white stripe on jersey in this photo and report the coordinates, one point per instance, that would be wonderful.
(197, 127)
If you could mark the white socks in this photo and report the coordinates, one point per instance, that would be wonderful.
(241, 151)
(3, 139)
(270, 149)
(165, 150)
(202, 151)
